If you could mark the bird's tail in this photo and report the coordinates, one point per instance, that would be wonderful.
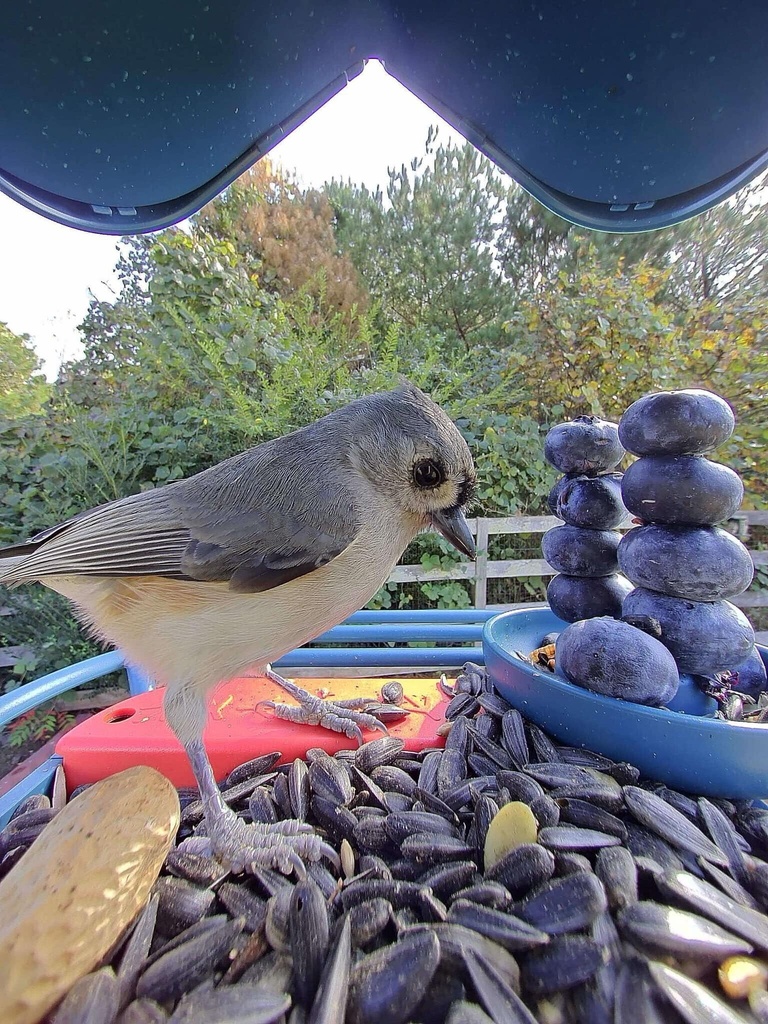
(8, 566)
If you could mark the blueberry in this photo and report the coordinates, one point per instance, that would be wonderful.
(703, 637)
(646, 623)
(578, 552)
(585, 445)
(617, 660)
(681, 489)
(593, 503)
(554, 494)
(701, 563)
(575, 597)
(751, 675)
(676, 423)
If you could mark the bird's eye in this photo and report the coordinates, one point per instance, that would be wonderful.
(428, 474)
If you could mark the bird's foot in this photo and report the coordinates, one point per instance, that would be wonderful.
(311, 710)
(242, 847)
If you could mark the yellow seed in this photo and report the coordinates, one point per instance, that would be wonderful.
(347, 859)
(73, 893)
(513, 826)
(740, 974)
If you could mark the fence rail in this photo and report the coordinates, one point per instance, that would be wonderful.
(483, 569)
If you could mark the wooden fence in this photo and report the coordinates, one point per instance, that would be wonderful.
(483, 569)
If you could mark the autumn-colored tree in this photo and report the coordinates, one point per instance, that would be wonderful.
(290, 232)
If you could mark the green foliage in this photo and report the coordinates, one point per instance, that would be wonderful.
(41, 621)
(594, 343)
(39, 724)
(276, 306)
(428, 254)
(22, 387)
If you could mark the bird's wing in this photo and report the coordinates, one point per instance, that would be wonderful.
(250, 522)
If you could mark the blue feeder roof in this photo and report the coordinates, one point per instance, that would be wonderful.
(122, 117)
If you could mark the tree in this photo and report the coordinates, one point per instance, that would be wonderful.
(429, 254)
(23, 389)
(289, 232)
(724, 252)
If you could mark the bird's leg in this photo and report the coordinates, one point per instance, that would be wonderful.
(284, 845)
(325, 713)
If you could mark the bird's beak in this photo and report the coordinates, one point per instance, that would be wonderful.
(454, 527)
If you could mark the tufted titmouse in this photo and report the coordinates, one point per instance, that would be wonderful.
(230, 569)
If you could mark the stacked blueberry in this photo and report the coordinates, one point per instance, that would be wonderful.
(683, 565)
(588, 498)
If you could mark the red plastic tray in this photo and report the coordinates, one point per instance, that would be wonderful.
(135, 732)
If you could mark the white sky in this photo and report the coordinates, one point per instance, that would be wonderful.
(49, 272)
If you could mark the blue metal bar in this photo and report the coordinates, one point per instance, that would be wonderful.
(422, 626)
(138, 680)
(453, 615)
(38, 781)
(417, 632)
(29, 696)
(384, 657)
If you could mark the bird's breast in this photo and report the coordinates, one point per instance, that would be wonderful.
(186, 629)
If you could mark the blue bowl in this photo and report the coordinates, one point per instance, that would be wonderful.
(683, 745)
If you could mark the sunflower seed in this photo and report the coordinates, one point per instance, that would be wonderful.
(510, 932)
(587, 815)
(461, 704)
(616, 869)
(238, 1004)
(497, 996)
(661, 818)
(134, 955)
(329, 780)
(523, 868)
(563, 964)
(261, 806)
(386, 985)
(543, 747)
(693, 1001)
(180, 904)
(376, 753)
(521, 787)
(678, 931)
(487, 894)
(546, 811)
(446, 879)
(93, 999)
(570, 837)
(390, 777)
(725, 836)
(407, 823)
(241, 902)
(309, 931)
(182, 968)
(751, 925)
(143, 1011)
(299, 789)
(564, 904)
(428, 848)
(330, 1003)
(251, 769)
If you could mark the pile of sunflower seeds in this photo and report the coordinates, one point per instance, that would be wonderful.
(636, 904)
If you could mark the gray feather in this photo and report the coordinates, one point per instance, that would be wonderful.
(264, 517)
(238, 522)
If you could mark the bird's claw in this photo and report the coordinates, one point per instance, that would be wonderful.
(243, 848)
(337, 717)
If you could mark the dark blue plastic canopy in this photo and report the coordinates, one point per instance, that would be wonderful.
(123, 116)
